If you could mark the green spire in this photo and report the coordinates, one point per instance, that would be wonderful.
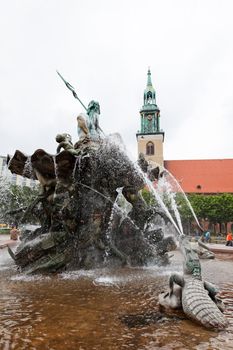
(149, 92)
(149, 82)
(150, 113)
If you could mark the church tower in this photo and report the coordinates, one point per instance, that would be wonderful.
(150, 138)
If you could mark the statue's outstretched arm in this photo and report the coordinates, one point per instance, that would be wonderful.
(59, 147)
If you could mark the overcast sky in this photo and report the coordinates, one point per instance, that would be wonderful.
(103, 48)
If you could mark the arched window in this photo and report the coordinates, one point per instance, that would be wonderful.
(149, 94)
(149, 97)
(150, 149)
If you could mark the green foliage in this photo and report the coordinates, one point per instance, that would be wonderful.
(147, 196)
(14, 197)
(183, 207)
(214, 208)
(224, 208)
(4, 230)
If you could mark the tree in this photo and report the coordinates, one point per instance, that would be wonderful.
(213, 208)
(222, 206)
(13, 198)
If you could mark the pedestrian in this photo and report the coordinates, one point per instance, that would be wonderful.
(14, 233)
(207, 236)
(229, 239)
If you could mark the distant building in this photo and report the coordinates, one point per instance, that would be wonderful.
(13, 178)
(199, 176)
(206, 176)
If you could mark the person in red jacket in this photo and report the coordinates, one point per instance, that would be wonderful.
(229, 239)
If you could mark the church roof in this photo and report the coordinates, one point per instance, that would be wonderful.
(203, 175)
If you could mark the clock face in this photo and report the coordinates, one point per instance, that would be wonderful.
(149, 117)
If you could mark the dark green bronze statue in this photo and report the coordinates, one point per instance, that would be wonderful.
(88, 121)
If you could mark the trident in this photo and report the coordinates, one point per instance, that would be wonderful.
(70, 87)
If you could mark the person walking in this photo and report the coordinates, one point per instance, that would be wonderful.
(229, 239)
(207, 237)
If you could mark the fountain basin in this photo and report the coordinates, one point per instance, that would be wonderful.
(104, 309)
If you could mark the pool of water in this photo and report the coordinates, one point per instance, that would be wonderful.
(104, 309)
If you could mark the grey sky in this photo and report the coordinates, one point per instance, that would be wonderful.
(103, 48)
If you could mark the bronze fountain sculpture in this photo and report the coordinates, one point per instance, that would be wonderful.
(82, 224)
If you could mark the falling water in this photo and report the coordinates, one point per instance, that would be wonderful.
(186, 198)
(109, 228)
(165, 188)
(77, 162)
(55, 166)
(157, 197)
(123, 204)
(120, 207)
(27, 170)
(116, 206)
(92, 189)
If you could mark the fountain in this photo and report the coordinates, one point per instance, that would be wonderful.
(83, 221)
(93, 219)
